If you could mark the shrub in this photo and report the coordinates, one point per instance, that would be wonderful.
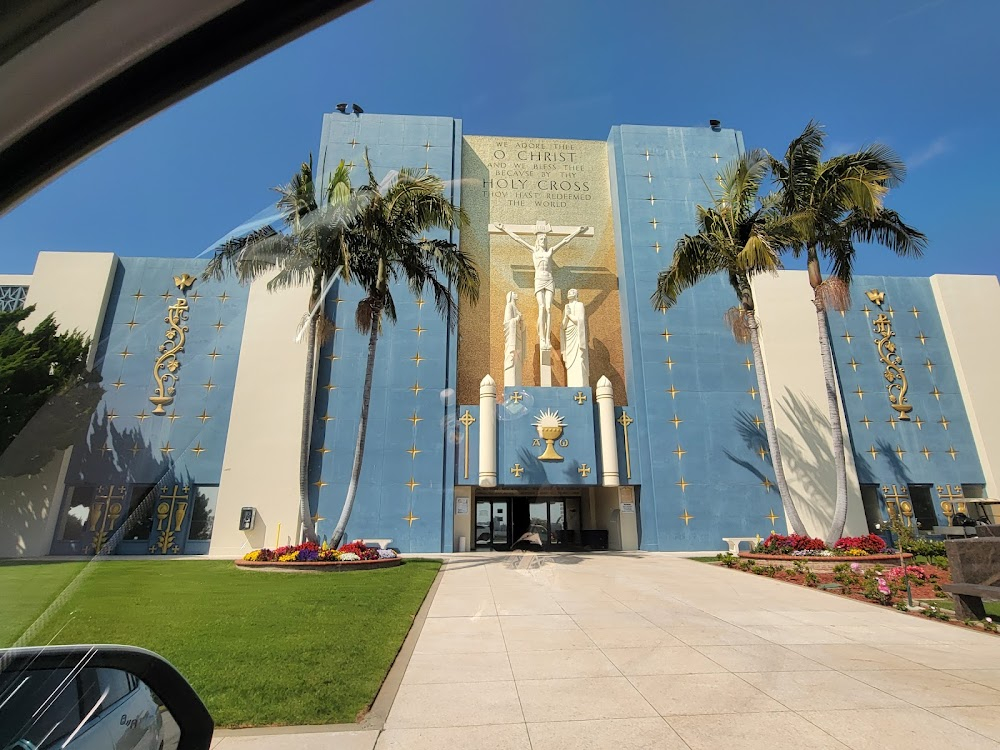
(871, 544)
(812, 580)
(924, 547)
(728, 559)
(913, 571)
(934, 613)
(776, 544)
(939, 561)
(358, 548)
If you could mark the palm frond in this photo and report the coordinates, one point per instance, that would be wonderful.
(887, 228)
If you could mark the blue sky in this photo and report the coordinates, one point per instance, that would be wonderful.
(919, 76)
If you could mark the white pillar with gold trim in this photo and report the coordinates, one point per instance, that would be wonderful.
(605, 396)
(487, 432)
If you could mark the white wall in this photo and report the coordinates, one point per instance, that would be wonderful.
(790, 343)
(261, 464)
(970, 309)
(74, 287)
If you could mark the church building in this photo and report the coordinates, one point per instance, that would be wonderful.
(562, 411)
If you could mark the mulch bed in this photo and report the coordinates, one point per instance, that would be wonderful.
(920, 589)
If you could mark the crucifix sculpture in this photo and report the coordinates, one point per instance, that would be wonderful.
(541, 257)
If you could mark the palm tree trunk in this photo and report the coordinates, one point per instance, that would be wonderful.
(836, 431)
(308, 401)
(787, 503)
(359, 448)
(832, 400)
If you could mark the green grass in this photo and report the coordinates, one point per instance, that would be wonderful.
(992, 608)
(712, 559)
(26, 589)
(260, 648)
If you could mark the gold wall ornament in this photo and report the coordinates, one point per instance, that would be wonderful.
(171, 510)
(951, 495)
(875, 296)
(625, 420)
(550, 426)
(517, 470)
(584, 470)
(166, 365)
(466, 420)
(564, 443)
(580, 397)
(104, 514)
(894, 372)
(897, 501)
(184, 282)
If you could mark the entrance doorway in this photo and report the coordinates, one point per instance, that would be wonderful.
(534, 522)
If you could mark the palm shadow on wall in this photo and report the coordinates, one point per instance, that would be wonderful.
(807, 457)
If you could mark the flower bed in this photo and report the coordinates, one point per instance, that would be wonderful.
(311, 556)
(827, 562)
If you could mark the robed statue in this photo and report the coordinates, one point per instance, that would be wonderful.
(513, 342)
(573, 341)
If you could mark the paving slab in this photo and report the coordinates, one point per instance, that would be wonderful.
(642, 650)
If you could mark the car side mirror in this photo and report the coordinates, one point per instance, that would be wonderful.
(76, 697)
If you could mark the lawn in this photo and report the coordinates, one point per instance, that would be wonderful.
(260, 648)
(992, 608)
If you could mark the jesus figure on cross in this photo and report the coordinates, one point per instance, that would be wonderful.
(541, 255)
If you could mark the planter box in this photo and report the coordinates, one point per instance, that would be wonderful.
(329, 566)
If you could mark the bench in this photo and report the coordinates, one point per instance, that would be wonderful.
(376, 543)
(735, 541)
(969, 598)
(974, 573)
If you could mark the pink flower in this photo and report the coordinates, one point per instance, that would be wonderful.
(855, 567)
(883, 587)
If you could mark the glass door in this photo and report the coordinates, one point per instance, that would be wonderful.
(492, 524)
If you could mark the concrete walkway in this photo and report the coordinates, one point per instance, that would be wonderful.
(652, 651)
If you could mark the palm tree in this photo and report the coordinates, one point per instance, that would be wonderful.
(383, 249)
(739, 237)
(312, 251)
(838, 202)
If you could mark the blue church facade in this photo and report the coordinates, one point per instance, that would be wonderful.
(164, 465)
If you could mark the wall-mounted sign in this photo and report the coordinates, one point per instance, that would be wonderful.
(461, 506)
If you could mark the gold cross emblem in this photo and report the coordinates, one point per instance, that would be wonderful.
(517, 470)
(584, 470)
(580, 397)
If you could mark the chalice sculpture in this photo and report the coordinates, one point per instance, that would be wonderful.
(550, 426)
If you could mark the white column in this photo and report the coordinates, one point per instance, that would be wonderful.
(487, 432)
(609, 444)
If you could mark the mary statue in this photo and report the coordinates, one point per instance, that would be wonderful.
(513, 342)
(573, 340)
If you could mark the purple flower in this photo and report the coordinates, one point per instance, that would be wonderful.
(308, 555)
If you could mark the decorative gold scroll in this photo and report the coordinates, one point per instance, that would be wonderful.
(166, 365)
(894, 372)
